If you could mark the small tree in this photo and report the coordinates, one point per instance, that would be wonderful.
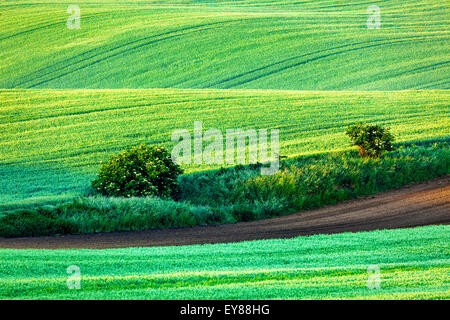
(138, 171)
(372, 139)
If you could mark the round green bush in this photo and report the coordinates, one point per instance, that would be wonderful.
(372, 139)
(137, 172)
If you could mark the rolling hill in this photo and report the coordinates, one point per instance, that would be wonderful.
(169, 58)
(413, 264)
(137, 70)
(52, 141)
(249, 44)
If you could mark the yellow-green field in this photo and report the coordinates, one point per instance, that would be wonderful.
(255, 44)
(62, 135)
(137, 70)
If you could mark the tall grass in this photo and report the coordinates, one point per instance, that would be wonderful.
(312, 181)
(242, 194)
(95, 214)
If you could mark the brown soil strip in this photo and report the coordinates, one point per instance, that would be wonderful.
(411, 206)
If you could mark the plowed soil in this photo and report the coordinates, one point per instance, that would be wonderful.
(410, 206)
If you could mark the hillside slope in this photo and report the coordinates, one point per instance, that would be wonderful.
(253, 44)
(42, 131)
(412, 263)
(82, 127)
(421, 204)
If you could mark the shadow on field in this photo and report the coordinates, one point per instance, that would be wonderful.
(421, 204)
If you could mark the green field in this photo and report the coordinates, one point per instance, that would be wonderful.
(253, 44)
(414, 264)
(138, 70)
(64, 134)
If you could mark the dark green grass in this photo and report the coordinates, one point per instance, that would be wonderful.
(45, 183)
(414, 264)
(313, 181)
(237, 194)
(52, 141)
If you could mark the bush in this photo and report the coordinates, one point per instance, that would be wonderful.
(238, 194)
(372, 139)
(137, 172)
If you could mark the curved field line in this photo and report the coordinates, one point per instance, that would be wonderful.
(200, 27)
(422, 68)
(109, 50)
(39, 71)
(436, 83)
(47, 26)
(301, 56)
(318, 58)
(410, 71)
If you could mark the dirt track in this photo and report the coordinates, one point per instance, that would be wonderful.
(416, 205)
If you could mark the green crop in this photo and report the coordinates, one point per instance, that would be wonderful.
(52, 141)
(253, 44)
(413, 264)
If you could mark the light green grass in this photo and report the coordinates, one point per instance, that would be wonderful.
(414, 264)
(233, 195)
(256, 44)
(52, 141)
(60, 136)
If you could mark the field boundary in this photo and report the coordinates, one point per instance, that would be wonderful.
(421, 204)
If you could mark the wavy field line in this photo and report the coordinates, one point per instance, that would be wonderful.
(435, 84)
(195, 61)
(62, 22)
(315, 59)
(117, 48)
(421, 68)
(301, 56)
(123, 51)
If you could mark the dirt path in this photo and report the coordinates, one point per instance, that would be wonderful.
(416, 205)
